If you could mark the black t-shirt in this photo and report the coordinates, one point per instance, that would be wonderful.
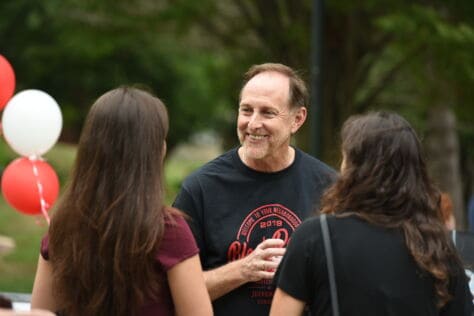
(234, 208)
(375, 273)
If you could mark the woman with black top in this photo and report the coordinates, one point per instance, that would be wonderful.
(391, 251)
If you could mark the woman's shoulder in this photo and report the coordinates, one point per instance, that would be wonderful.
(341, 223)
(175, 223)
(177, 242)
(308, 230)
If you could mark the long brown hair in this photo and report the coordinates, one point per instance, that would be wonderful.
(384, 180)
(107, 226)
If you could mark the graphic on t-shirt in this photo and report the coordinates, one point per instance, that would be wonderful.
(268, 221)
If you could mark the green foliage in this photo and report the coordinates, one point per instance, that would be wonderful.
(442, 71)
(176, 171)
(6, 155)
(77, 50)
(18, 268)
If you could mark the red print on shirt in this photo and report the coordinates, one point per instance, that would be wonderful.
(268, 221)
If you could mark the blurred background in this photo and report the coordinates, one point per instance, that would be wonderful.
(413, 57)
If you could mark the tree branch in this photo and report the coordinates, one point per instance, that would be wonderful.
(364, 104)
(376, 50)
(246, 13)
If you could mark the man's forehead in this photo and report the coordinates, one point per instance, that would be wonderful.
(267, 83)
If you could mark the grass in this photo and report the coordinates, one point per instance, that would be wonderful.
(17, 269)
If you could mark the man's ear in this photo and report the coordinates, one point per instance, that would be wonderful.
(298, 119)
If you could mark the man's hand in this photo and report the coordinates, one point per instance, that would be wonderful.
(263, 261)
(260, 264)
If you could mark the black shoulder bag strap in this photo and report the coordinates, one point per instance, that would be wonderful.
(330, 264)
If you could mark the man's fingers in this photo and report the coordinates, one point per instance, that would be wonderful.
(270, 265)
(273, 252)
(271, 243)
(264, 260)
(267, 274)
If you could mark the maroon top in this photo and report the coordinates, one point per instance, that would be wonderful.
(177, 245)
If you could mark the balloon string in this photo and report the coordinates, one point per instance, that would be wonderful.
(43, 203)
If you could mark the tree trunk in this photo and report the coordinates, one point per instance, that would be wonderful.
(443, 157)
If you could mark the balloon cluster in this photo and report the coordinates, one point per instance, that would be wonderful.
(31, 124)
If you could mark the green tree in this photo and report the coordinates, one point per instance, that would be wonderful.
(77, 50)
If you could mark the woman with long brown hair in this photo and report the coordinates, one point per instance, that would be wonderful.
(390, 250)
(113, 247)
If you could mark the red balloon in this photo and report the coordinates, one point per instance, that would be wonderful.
(7, 82)
(21, 187)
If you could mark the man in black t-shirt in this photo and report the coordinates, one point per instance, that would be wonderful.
(245, 204)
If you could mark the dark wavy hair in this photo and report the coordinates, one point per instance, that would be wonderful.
(107, 226)
(384, 180)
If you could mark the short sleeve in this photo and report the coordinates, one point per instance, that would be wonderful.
(295, 273)
(44, 250)
(187, 202)
(177, 244)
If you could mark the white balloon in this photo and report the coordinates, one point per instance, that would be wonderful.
(32, 122)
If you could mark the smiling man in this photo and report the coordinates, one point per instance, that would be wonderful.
(245, 204)
(267, 120)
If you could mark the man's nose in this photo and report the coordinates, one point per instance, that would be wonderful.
(255, 121)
